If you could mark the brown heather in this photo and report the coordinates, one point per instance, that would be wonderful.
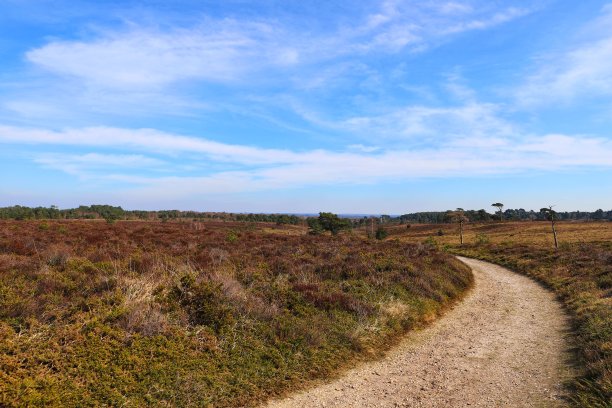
(210, 314)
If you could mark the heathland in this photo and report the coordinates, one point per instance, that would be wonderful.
(137, 313)
(197, 312)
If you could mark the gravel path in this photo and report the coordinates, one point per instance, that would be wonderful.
(504, 346)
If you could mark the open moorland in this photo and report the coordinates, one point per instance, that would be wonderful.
(138, 313)
(579, 272)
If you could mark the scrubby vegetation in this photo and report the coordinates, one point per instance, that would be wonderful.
(580, 273)
(193, 314)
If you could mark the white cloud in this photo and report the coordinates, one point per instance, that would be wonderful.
(213, 64)
(334, 169)
(496, 19)
(269, 169)
(418, 26)
(473, 119)
(141, 57)
(145, 140)
(229, 50)
(453, 7)
(571, 150)
(583, 70)
(362, 148)
(89, 165)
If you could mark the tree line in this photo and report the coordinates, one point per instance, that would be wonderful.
(112, 213)
(441, 217)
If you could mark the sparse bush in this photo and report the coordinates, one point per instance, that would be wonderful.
(218, 256)
(315, 227)
(431, 242)
(482, 239)
(332, 223)
(204, 303)
(381, 233)
(232, 237)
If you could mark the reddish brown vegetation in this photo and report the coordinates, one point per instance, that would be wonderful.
(146, 313)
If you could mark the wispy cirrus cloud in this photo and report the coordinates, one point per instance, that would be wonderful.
(142, 57)
(228, 50)
(584, 69)
(498, 18)
(438, 123)
(153, 68)
(91, 165)
(433, 125)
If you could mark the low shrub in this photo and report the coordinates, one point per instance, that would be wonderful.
(153, 314)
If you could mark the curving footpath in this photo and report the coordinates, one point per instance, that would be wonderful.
(505, 345)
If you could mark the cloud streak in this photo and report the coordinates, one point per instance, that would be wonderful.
(583, 70)
(89, 165)
(266, 169)
(141, 57)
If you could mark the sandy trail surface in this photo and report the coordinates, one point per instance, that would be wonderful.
(505, 345)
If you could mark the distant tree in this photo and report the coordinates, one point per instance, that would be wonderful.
(482, 215)
(371, 232)
(332, 223)
(500, 207)
(384, 219)
(314, 226)
(381, 233)
(459, 217)
(551, 215)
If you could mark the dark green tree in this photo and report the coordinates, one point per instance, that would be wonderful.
(500, 207)
(314, 226)
(332, 223)
(381, 233)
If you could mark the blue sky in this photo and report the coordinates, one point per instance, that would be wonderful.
(291, 106)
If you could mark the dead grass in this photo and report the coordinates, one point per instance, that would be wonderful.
(524, 232)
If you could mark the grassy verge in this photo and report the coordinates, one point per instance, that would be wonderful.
(185, 314)
(580, 273)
